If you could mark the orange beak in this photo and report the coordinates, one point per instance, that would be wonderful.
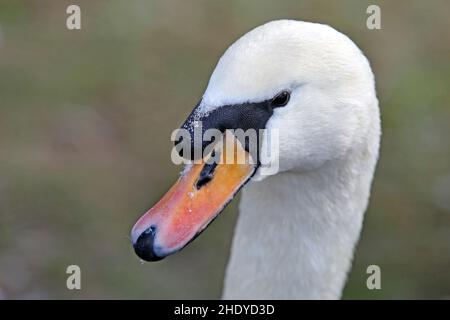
(199, 195)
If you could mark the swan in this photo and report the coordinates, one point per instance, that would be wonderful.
(298, 225)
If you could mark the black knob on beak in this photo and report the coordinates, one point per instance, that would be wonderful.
(243, 116)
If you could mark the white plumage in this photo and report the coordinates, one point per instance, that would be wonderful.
(297, 229)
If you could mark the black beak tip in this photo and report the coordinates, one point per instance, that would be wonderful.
(144, 245)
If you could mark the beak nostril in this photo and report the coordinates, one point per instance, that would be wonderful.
(206, 175)
(144, 246)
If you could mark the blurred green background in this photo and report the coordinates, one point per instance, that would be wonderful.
(85, 123)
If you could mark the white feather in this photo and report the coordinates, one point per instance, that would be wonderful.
(297, 229)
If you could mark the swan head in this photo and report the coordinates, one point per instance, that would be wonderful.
(330, 84)
(305, 81)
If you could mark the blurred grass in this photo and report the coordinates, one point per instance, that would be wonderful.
(85, 121)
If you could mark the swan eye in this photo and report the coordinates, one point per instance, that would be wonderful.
(281, 99)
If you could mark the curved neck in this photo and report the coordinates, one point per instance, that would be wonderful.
(296, 232)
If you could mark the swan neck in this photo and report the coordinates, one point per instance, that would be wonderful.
(296, 233)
